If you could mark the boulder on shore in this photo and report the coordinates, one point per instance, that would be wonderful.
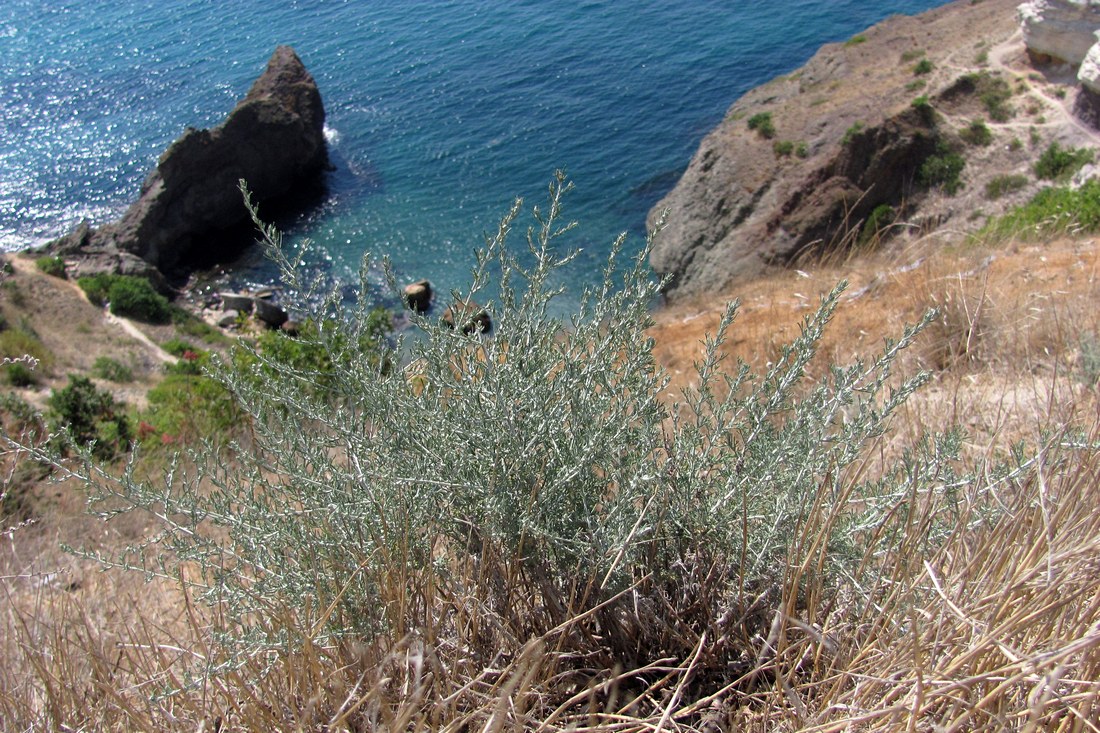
(273, 139)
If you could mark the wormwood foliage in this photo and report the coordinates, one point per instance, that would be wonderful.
(483, 490)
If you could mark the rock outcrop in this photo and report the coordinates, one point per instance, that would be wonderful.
(190, 208)
(1059, 31)
(846, 135)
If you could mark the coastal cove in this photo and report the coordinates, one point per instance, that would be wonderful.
(437, 116)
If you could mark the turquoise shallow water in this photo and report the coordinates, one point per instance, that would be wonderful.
(439, 113)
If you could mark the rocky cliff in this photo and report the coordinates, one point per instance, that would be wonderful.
(189, 204)
(896, 130)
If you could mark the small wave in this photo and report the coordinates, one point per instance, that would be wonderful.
(332, 135)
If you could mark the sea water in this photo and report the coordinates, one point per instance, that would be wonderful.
(439, 113)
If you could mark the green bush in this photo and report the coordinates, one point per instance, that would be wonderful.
(943, 170)
(135, 297)
(783, 148)
(544, 458)
(999, 186)
(855, 40)
(309, 354)
(53, 266)
(177, 347)
(96, 286)
(762, 123)
(188, 408)
(977, 133)
(924, 66)
(129, 297)
(19, 374)
(90, 417)
(880, 219)
(1059, 164)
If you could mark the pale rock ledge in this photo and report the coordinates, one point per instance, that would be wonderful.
(1059, 30)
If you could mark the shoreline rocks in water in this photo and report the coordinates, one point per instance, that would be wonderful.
(190, 212)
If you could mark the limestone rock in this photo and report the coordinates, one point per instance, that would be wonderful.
(1089, 73)
(1059, 30)
(190, 206)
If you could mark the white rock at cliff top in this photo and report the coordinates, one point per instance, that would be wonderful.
(1063, 29)
(1089, 73)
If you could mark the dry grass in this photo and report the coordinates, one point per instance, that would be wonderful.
(997, 628)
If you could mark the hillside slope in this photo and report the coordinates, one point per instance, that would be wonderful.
(801, 164)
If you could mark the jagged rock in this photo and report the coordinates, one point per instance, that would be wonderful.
(418, 295)
(468, 317)
(743, 206)
(1059, 31)
(273, 139)
(84, 259)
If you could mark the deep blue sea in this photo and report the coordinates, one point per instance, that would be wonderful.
(439, 113)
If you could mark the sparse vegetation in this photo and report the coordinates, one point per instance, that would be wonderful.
(783, 148)
(922, 67)
(1002, 185)
(1059, 164)
(1051, 211)
(976, 133)
(112, 370)
(855, 40)
(762, 123)
(994, 93)
(18, 341)
(850, 133)
(924, 108)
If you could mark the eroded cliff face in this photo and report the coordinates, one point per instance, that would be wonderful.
(273, 139)
(850, 134)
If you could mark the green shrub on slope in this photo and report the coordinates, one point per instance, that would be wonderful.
(504, 488)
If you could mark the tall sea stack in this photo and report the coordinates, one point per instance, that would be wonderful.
(273, 139)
